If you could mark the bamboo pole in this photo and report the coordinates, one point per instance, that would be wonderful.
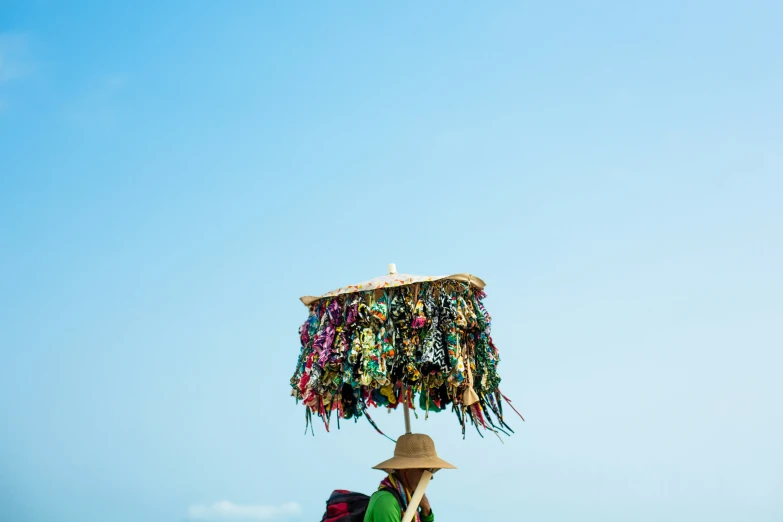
(416, 498)
(406, 410)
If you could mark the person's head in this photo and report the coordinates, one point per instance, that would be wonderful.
(413, 454)
(410, 477)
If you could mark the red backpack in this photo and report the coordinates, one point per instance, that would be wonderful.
(349, 506)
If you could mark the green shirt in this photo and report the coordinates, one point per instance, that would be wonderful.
(384, 507)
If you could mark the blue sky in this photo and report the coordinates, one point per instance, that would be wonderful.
(173, 177)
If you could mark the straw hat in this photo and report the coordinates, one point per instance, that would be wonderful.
(414, 450)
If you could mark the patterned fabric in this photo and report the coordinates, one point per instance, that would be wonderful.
(391, 481)
(362, 349)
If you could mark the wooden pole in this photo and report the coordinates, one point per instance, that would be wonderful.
(413, 505)
(406, 409)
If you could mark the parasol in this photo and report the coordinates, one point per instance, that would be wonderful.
(395, 339)
(389, 340)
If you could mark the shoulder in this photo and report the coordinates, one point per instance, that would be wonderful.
(383, 507)
(383, 498)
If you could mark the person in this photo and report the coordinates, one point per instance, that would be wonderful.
(414, 454)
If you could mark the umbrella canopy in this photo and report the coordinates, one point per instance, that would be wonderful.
(390, 280)
(398, 338)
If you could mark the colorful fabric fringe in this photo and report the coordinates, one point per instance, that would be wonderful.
(359, 349)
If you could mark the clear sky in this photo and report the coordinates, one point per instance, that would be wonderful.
(173, 177)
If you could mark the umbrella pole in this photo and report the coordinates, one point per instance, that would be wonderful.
(413, 505)
(405, 409)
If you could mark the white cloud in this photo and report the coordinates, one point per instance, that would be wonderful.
(225, 510)
(13, 48)
(13, 62)
(115, 81)
(100, 102)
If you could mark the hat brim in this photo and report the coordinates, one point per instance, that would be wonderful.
(414, 463)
